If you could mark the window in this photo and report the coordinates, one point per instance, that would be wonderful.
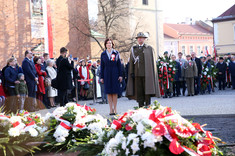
(198, 50)
(234, 31)
(191, 49)
(145, 2)
(183, 49)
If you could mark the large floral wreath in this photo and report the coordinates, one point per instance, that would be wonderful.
(166, 72)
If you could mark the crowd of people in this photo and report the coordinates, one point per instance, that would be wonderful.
(42, 82)
(197, 75)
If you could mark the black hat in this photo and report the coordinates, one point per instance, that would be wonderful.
(141, 35)
(221, 58)
(209, 55)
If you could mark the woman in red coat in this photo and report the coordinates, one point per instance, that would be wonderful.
(84, 74)
(41, 76)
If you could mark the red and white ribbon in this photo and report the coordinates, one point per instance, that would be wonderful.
(3, 117)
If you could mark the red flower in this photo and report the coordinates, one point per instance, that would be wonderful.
(204, 76)
(30, 119)
(36, 117)
(169, 76)
(173, 72)
(204, 150)
(175, 147)
(207, 82)
(165, 73)
(183, 131)
(128, 128)
(164, 78)
(172, 79)
(160, 75)
(198, 127)
(159, 81)
(160, 129)
(169, 69)
(164, 82)
(117, 124)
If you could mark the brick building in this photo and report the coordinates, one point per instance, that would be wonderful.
(187, 38)
(45, 25)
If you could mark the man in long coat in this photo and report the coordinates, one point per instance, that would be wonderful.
(64, 75)
(142, 75)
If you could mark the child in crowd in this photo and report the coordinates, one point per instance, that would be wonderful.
(21, 91)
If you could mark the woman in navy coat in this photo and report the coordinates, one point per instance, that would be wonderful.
(111, 74)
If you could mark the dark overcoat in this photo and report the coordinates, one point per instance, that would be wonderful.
(30, 75)
(151, 74)
(110, 72)
(64, 73)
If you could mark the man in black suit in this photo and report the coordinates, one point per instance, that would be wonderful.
(65, 67)
(222, 67)
(197, 84)
(31, 79)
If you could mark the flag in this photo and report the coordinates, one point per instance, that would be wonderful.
(215, 54)
(206, 51)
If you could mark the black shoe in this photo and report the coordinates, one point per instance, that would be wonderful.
(188, 95)
(170, 96)
(192, 95)
(165, 96)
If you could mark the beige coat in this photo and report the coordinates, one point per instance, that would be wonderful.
(151, 74)
(189, 69)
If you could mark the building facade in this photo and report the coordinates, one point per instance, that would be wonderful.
(224, 32)
(142, 16)
(191, 38)
(43, 25)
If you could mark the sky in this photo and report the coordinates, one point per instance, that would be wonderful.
(176, 11)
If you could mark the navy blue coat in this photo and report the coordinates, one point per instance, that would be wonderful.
(30, 75)
(11, 75)
(232, 68)
(177, 71)
(110, 72)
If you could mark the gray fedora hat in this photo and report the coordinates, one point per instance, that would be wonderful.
(141, 35)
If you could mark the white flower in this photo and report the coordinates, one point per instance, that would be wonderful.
(208, 76)
(60, 139)
(111, 146)
(170, 66)
(140, 128)
(14, 132)
(111, 133)
(207, 69)
(212, 66)
(150, 140)
(170, 60)
(95, 128)
(33, 132)
(58, 112)
(15, 119)
(124, 144)
(119, 136)
(173, 69)
(160, 66)
(131, 137)
(47, 116)
(127, 151)
(135, 145)
(205, 73)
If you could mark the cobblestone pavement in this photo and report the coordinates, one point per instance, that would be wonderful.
(219, 102)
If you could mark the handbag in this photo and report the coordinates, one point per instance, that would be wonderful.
(47, 81)
(86, 86)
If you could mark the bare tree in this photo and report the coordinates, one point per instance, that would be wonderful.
(113, 22)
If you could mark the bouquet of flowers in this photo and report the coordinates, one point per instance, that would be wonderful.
(166, 72)
(214, 71)
(156, 130)
(205, 77)
(22, 133)
(72, 125)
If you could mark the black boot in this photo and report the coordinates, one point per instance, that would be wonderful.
(165, 95)
(170, 96)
